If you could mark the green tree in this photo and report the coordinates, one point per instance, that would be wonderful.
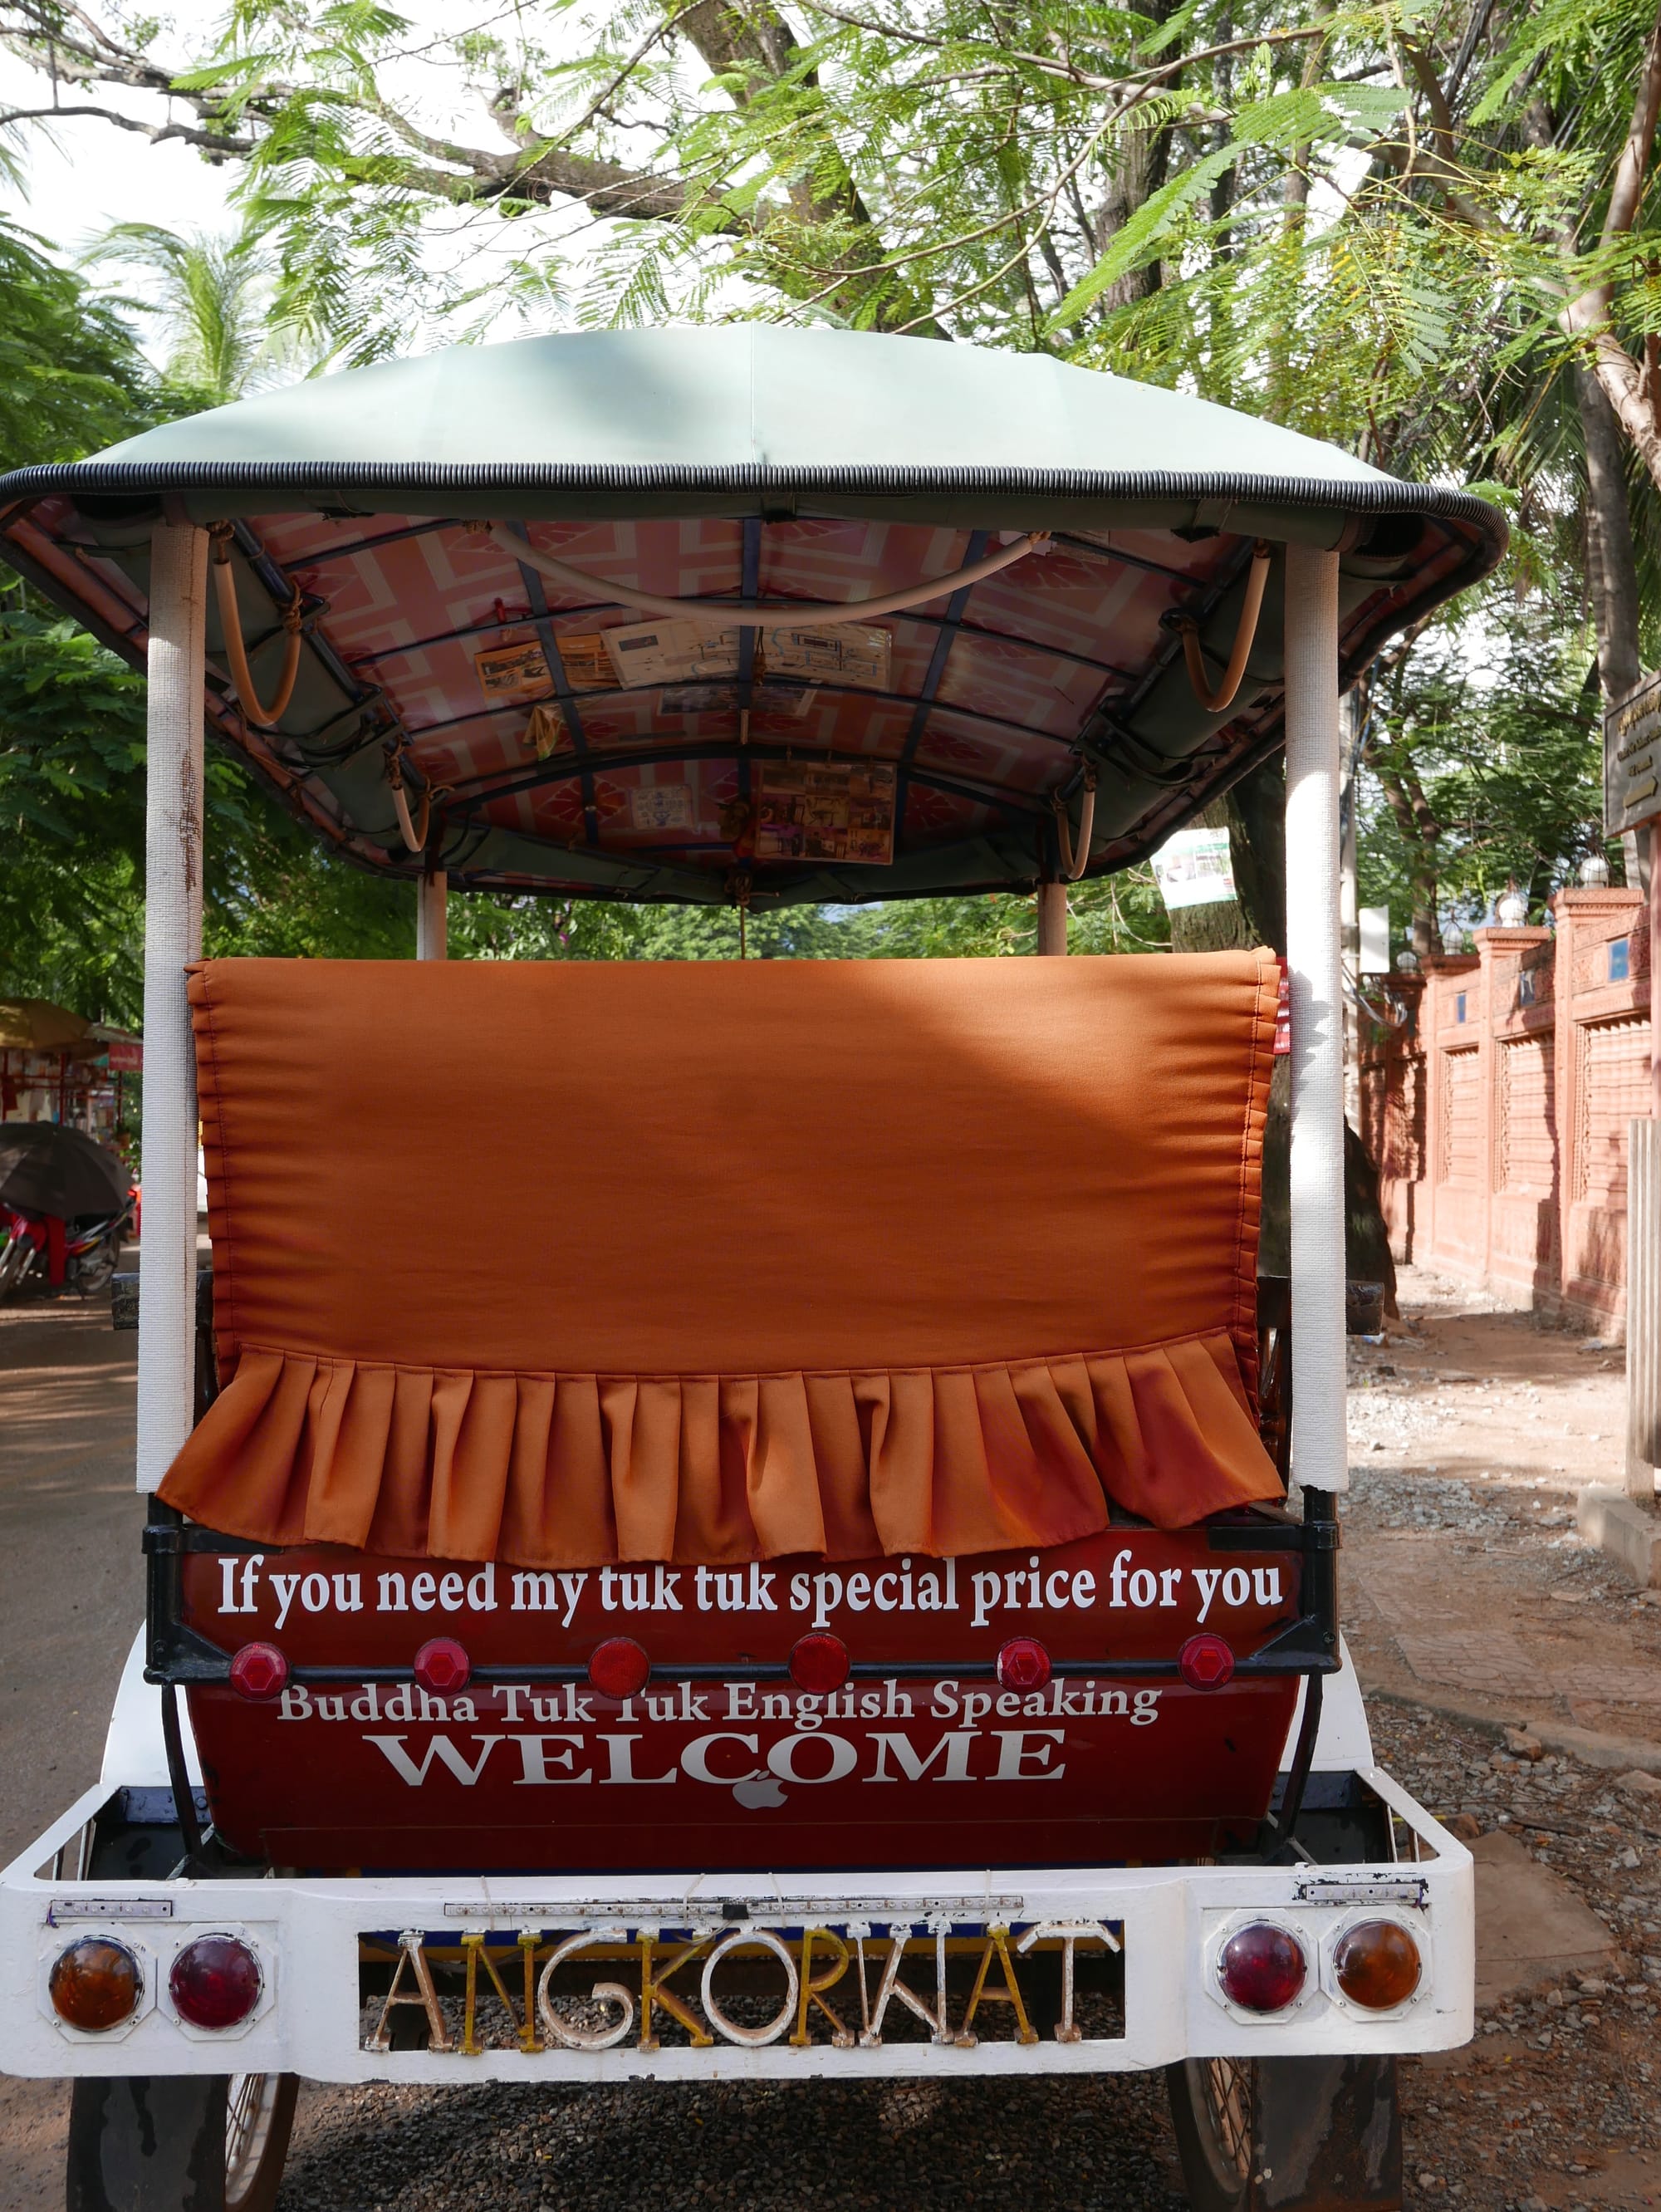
(1481, 770)
(213, 296)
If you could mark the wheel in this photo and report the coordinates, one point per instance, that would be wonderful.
(1288, 2135)
(1212, 2105)
(96, 1270)
(259, 2113)
(179, 2143)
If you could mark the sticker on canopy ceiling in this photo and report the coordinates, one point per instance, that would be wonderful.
(586, 662)
(671, 652)
(846, 652)
(510, 674)
(661, 806)
(723, 699)
(826, 811)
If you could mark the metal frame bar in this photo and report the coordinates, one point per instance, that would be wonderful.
(172, 939)
(1320, 1443)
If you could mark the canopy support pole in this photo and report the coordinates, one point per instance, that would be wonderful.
(1320, 1443)
(173, 937)
(1052, 918)
(433, 916)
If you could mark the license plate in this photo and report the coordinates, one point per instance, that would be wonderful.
(842, 1982)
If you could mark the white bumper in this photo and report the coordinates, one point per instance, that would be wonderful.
(1170, 1921)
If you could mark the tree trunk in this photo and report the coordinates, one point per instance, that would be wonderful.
(1612, 572)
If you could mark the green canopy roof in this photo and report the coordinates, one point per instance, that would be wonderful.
(738, 462)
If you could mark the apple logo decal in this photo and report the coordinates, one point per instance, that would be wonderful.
(759, 1789)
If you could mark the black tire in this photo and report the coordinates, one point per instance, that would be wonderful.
(179, 2143)
(96, 1270)
(1288, 2135)
(1213, 2104)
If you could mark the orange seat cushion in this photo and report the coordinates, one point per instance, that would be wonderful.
(562, 1263)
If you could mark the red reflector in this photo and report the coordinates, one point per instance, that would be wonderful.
(1205, 1663)
(1023, 1664)
(1263, 1968)
(215, 1982)
(819, 1662)
(95, 1985)
(259, 1670)
(442, 1666)
(619, 1667)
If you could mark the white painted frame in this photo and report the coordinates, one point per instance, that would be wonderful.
(308, 1932)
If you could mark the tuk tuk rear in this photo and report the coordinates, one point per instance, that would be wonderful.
(745, 1517)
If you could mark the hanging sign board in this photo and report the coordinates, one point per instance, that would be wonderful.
(1193, 868)
(661, 806)
(825, 811)
(844, 653)
(1632, 758)
(671, 651)
(1375, 940)
(510, 674)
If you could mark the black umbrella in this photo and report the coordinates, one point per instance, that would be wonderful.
(46, 1170)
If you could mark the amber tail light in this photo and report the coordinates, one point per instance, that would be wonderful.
(1378, 1965)
(95, 1985)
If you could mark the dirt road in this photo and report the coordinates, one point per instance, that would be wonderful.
(71, 1596)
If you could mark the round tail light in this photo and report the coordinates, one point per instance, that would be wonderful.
(1378, 1965)
(443, 1666)
(819, 1662)
(215, 1982)
(1262, 1968)
(95, 1985)
(1023, 1664)
(1205, 1663)
(619, 1667)
(258, 1671)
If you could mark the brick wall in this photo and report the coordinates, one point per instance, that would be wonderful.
(1495, 1102)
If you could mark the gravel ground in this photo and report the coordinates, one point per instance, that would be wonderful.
(753, 2148)
(1554, 2104)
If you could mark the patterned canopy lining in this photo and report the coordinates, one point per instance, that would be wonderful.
(990, 700)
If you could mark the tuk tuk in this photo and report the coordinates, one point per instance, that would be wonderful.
(740, 1517)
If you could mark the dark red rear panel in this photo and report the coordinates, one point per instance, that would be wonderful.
(897, 1769)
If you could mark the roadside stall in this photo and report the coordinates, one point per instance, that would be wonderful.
(812, 1532)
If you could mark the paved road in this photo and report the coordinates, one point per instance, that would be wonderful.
(72, 1595)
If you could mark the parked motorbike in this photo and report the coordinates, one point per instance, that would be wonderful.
(65, 1204)
(91, 1249)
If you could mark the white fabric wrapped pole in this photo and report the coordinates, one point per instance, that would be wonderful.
(432, 917)
(173, 936)
(1052, 918)
(1319, 1446)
